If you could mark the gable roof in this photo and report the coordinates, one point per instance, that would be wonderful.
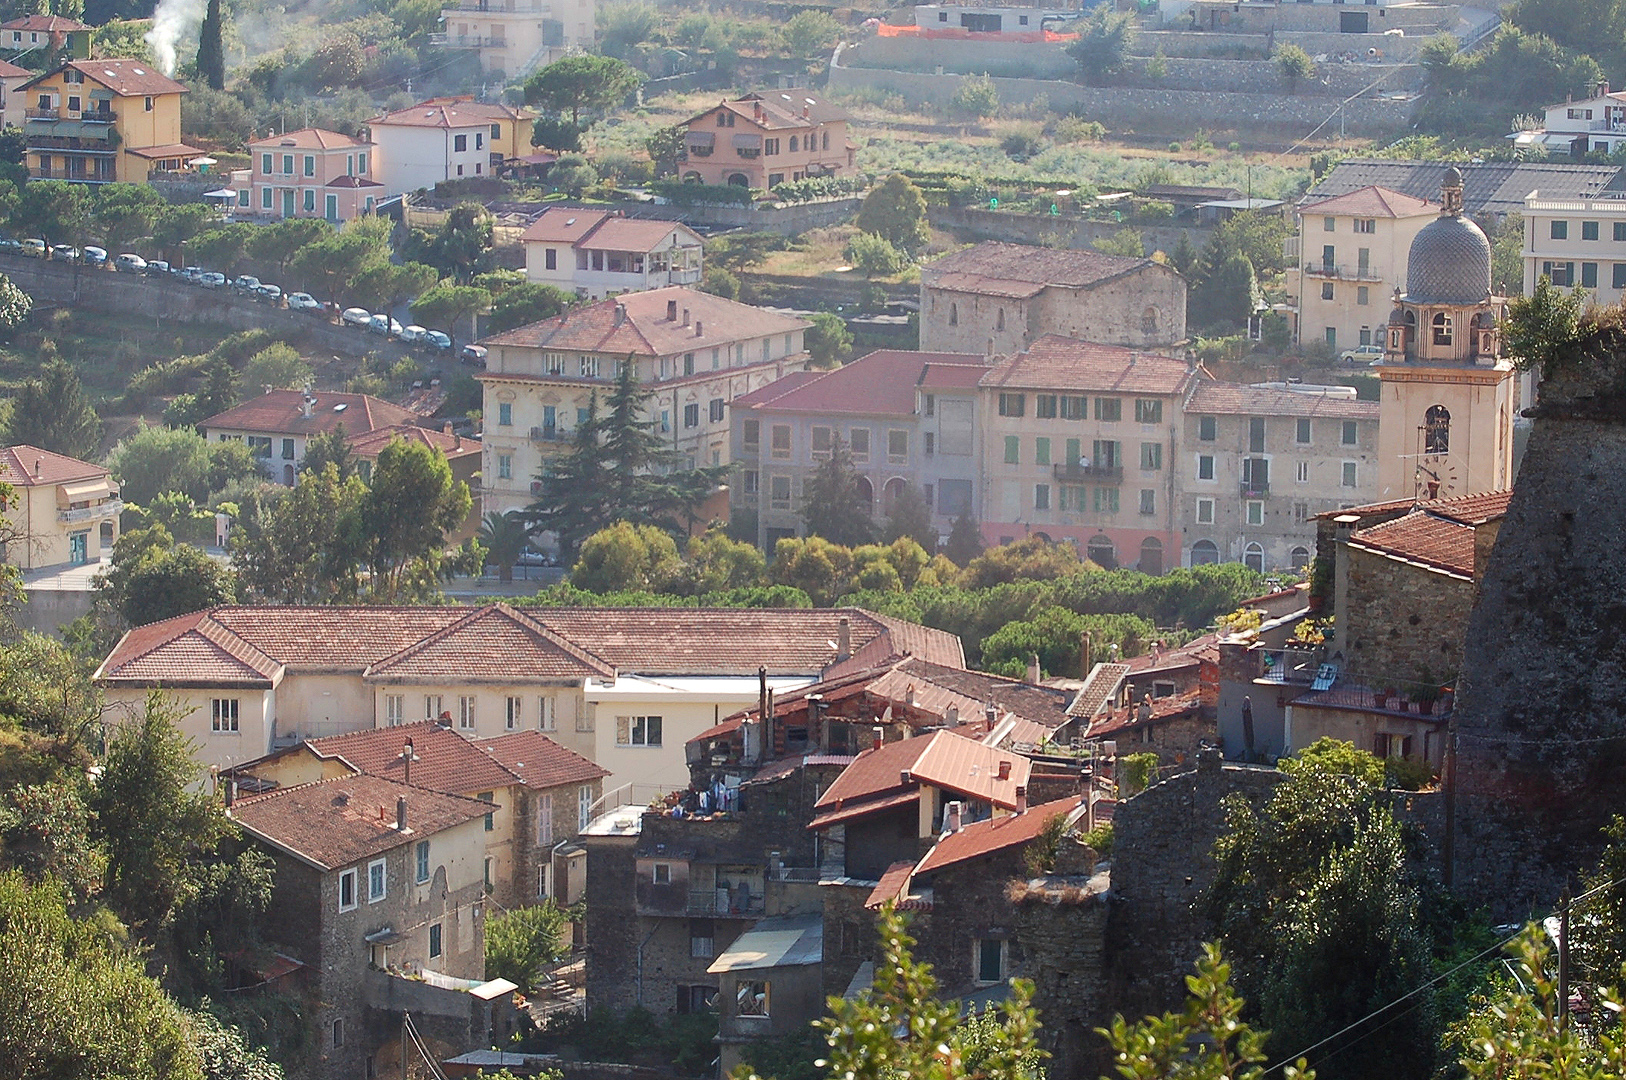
(282, 412)
(876, 778)
(59, 23)
(608, 229)
(1372, 201)
(442, 760)
(188, 650)
(1439, 534)
(881, 383)
(995, 268)
(311, 138)
(29, 466)
(636, 324)
(8, 70)
(1128, 718)
(1240, 399)
(1491, 187)
(1099, 686)
(491, 643)
(126, 78)
(334, 823)
(539, 761)
(1054, 362)
(448, 113)
(370, 444)
(994, 834)
(779, 109)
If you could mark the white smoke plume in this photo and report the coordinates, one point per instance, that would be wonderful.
(172, 22)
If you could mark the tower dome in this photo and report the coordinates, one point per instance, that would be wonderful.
(1450, 260)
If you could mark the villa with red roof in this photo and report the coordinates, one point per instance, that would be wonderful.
(279, 424)
(312, 172)
(63, 511)
(446, 138)
(599, 253)
(1347, 261)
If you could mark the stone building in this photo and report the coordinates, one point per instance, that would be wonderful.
(380, 898)
(997, 298)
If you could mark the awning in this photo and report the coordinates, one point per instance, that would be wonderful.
(701, 138)
(386, 936)
(220, 193)
(790, 941)
(748, 142)
(85, 490)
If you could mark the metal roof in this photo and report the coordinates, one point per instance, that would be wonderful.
(787, 941)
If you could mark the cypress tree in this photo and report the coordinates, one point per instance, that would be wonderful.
(211, 49)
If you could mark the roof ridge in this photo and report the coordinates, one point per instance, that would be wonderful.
(424, 642)
(526, 619)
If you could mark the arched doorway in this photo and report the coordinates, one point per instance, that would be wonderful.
(890, 493)
(1151, 556)
(1043, 536)
(866, 491)
(1101, 552)
(288, 475)
(1204, 553)
(738, 179)
(691, 177)
(1253, 557)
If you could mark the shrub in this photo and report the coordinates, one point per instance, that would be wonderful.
(874, 256)
(681, 194)
(1136, 772)
(1022, 144)
(976, 97)
(1076, 129)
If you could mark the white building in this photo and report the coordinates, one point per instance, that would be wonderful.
(1577, 243)
(1574, 128)
(279, 424)
(599, 253)
(446, 139)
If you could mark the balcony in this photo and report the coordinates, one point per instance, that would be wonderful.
(551, 434)
(1084, 474)
(1342, 271)
(1294, 667)
(112, 508)
(467, 41)
(1256, 489)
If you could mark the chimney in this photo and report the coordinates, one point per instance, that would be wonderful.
(991, 715)
(770, 749)
(878, 734)
(267, 387)
(844, 638)
(952, 716)
(951, 817)
(909, 695)
(1084, 653)
(671, 311)
(807, 112)
(905, 776)
(307, 407)
(685, 315)
(400, 813)
(1021, 800)
(699, 328)
(620, 314)
(1004, 770)
(231, 793)
(406, 762)
(457, 440)
(756, 110)
(1033, 668)
(39, 463)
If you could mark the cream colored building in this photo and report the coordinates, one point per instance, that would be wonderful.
(599, 253)
(64, 511)
(695, 351)
(515, 37)
(1578, 244)
(1346, 262)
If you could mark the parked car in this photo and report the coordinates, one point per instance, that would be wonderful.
(271, 294)
(192, 274)
(474, 355)
(437, 340)
(95, 256)
(65, 251)
(383, 324)
(1362, 354)
(356, 316)
(129, 261)
(34, 249)
(245, 283)
(532, 557)
(157, 266)
(212, 280)
(412, 333)
(8, 244)
(303, 301)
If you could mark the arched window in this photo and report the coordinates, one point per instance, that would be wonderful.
(793, 144)
(954, 314)
(738, 179)
(999, 323)
(691, 177)
(866, 491)
(1437, 430)
(890, 492)
(1151, 556)
(1204, 553)
(1442, 328)
(1299, 557)
(1254, 558)
(1148, 321)
(1101, 552)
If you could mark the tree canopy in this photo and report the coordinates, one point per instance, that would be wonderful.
(53, 413)
(580, 84)
(837, 505)
(895, 210)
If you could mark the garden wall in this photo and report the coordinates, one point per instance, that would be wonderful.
(1063, 230)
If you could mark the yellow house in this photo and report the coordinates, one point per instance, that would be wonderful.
(62, 510)
(101, 121)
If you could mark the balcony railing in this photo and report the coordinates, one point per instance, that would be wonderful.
(1079, 474)
(1292, 666)
(1255, 489)
(551, 434)
(1342, 270)
(467, 41)
(109, 509)
(94, 116)
(500, 7)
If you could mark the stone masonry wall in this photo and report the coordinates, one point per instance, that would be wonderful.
(1063, 942)
(1064, 230)
(1402, 618)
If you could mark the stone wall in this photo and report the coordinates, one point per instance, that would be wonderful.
(1061, 926)
(1402, 617)
(1063, 230)
(612, 925)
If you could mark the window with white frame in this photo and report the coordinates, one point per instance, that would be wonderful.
(225, 716)
(377, 880)
(751, 999)
(661, 873)
(544, 818)
(347, 890)
(1205, 466)
(1303, 472)
(584, 806)
(394, 710)
(431, 707)
(1256, 512)
(1349, 474)
(1205, 511)
(513, 709)
(465, 712)
(544, 881)
(637, 731)
(545, 718)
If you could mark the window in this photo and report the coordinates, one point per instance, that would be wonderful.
(431, 707)
(1589, 230)
(1108, 454)
(1618, 272)
(287, 449)
(479, 141)
(1299, 558)
(512, 713)
(421, 862)
(858, 442)
(505, 466)
(1041, 451)
(1205, 466)
(1326, 290)
(779, 492)
(1148, 501)
(793, 144)
(1256, 435)
(377, 880)
(460, 143)
(1620, 230)
(928, 406)
(1363, 295)
(550, 258)
(242, 197)
(1151, 456)
(770, 147)
(1350, 433)
(1329, 224)
(1589, 275)
(1041, 496)
(990, 956)
(638, 730)
(691, 415)
(338, 1021)
(1013, 450)
(1075, 408)
(1303, 476)
(394, 706)
(491, 817)
(1437, 430)
(1206, 429)
(821, 443)
(1205, 511)
(147, 104)
(1442, 327)
(361, 163)
(265, 166)
(224, 718)
(1106, 500)
(1044, 406)
(751, 434)
(751, 999)
(1349, 474)
(1301, 432)
(1253, 557)
(897, 447)
(465, 712)
(1011, 404)
(588, 367)
(702, 939)
(544, 818)
(1204, 553)
(1109, 409)
(714, 411)
(310, 165)
(545, 718)
(584, 806)
(954, 314)
(1559, 230)
(753, 482)
(1148, 411)
(505, 414)
(434, 940)
(347, 890)
(1256, 512)
(1367, 225)
(1559, 273)
(661, 873)
(266, 198)
(781, 440)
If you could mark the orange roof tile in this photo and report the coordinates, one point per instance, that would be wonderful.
(126, 78)
(449, 113)
(29, 466)
(1439, 533)
(636, 324)
(881, 383)
(492, 643)
(995, 268)
(442, 760)
(370, 444)
(1238, 399)
(334, 823)
(311, 138)
(282, 412)
(1371, 202)
(994, 834)
(539, 761)
(893, 885)
(8, 70)
(940, 759)
(43, 22)
(188, 650)
(1128, 718)
(1053, 363)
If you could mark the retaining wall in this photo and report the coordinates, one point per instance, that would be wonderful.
(1069, 232)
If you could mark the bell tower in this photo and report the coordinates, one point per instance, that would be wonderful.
(1447, 393)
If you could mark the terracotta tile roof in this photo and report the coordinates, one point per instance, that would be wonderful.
(1058, 363)
(1437, 533)
(126, 78)
(1099, 686)
(369, 444)
(334, 823)
(8, 70)
(188, 650)
(864, 808)
(311, 138)
(952, 376)
(282, 412)
(940, 759)
(561, 225)
(448, 113)
(492, 643)
(1039, 704)
(1239, 399)
(334, 638)
(167, 150)
(994, 834)
(1472, 509)
(881, 383)
(442, 760)
(44, 22)
(894, 884)
(539, 761)
(1371, 201)
(776, 389)
(781, 109)
(995, 268)
(29, 466)
(492, 110)
(352, 182)
(633, 234)
(1128, 718)
(1187, 655)
(636, 324)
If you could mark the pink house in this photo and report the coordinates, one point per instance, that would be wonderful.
(308, 173)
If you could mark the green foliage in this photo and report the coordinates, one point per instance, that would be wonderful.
(14, 308)
(301, 546)
(684, 1044)
(717, 562)
(1100, 839)
(520, 942)
(1207, 1040)
(1226, 292)
(679, 193)
(625, 26)
(1052, 633)
(1507, 254)
(665, 148)
(720, 282)
(1518, 71)
(1105, 36)
(1022, 143)
(504, 537)
(1032, 557)
(742, 251)
(450, 306)
(45, 836)
(211, 51)
(1124, 242)
(1136, 772)
(836, 507)
(526, 303)
(225, 1053)
(828, 340)
(1294, 64)
(1039, 856)
(560, 136)
(1542, 330)
(976, 97)
(53, 413)
(810, 32)
(875, 255)
(411, 504)
(895, 211)
(153, 578)
(964, 540)
(818, 187)
(277, 366)
(157, 459)
(1335, 757)
(581, 84)
(911, 517)
(627, 557)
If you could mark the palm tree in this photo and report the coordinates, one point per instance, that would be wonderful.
(504, 535)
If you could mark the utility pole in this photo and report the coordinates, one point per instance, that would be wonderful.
(1564, 959)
